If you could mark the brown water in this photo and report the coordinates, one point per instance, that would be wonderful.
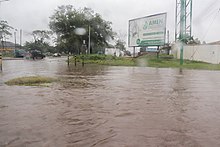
(109, 107)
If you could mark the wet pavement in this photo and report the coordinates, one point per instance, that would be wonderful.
(98, 106)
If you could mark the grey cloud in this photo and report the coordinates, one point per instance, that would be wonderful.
(34, 14)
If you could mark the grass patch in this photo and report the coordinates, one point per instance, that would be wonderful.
(31, 81)
(164, 61)
(168, 62)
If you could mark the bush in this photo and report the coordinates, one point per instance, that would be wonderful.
(104, 60)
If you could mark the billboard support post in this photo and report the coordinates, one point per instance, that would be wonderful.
(182, 28)
(158, 51)
(0, 61)
(181, 53)
(133, 51)
(183, 24)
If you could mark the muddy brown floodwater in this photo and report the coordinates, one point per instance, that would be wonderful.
(98, 106)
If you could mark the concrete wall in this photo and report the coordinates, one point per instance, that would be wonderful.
(205, 53)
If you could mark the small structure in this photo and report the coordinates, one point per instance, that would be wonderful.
(8, 48)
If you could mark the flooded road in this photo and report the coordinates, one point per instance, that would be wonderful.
(99, 106)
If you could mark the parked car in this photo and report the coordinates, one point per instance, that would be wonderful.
(36, 54)
(20, 53)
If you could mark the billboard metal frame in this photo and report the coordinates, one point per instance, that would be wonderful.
(183, 22)
(150, 39)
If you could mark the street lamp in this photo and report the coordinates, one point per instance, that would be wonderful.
(3, 1)
(15, 35)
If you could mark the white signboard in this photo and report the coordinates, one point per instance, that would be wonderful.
(147, 31)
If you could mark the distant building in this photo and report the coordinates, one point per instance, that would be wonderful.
(214, 43)
(7, 44)
(8, 48)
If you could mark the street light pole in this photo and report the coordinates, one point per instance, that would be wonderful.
(15, 35)
(3, 1)
(89, 44)
(15, 38)
(20, 38)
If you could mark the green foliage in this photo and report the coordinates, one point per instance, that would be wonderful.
(120, 45)
(41, 35)
(43, 47)
(8, 54)
(39, 41)
(5, 31)
(66, 20)
(169, 62)
(104, 60)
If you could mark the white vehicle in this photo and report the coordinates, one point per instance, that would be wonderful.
(56, 55)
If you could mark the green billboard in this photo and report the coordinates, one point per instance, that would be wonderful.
(147, 31)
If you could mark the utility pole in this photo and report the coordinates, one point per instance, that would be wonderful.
(182, 28)
(89, 43)
(20, 38)
(183, 24)
(15, 38)
(0, 61)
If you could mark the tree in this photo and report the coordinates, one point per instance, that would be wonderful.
(39, 42)
(68, 23)
(120, 44)
(191, 40)
(43, 47)
(5, 29)
(41, 35)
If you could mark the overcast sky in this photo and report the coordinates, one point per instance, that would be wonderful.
(30, 15)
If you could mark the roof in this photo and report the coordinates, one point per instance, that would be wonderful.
(8, 44)
(215, 43)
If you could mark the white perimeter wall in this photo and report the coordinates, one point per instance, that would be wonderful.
(205, 53)
(112, 51)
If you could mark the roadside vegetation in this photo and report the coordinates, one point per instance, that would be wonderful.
(164, 61)
(31, 81)
(104, 60)
(169, 62)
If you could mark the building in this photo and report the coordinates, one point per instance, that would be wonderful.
(209, 53)
(6, 45)
(214, 43)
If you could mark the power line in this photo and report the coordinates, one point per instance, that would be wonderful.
(209, 7)
(207, 11)
(211, 24)
(207, 31)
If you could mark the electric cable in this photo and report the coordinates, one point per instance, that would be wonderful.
(211, 24)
